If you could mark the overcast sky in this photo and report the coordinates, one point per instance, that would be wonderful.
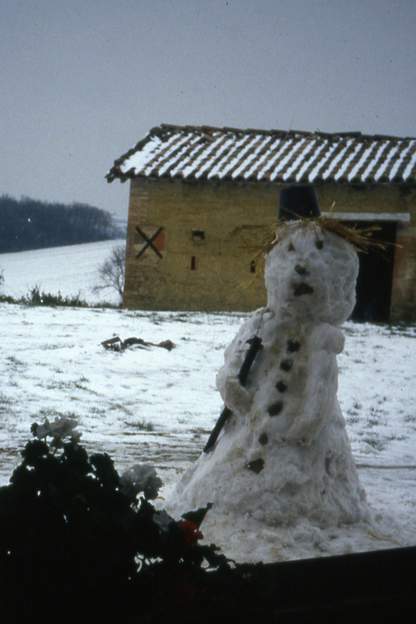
(83, 80)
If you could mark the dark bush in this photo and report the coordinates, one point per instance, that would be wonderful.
(75, 547)
(37, 297)
(70, 536)
(7, 299)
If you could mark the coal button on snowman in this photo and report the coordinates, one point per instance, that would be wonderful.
(269, 459)
(281, 386)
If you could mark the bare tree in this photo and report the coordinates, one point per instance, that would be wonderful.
(111, 272)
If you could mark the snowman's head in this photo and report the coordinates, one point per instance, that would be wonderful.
(311, 274)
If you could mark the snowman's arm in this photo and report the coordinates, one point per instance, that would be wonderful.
(327, 338)
(235, 390)
(234, 395)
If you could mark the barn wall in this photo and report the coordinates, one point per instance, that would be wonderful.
(234, 224)
(236, 220)
(387, 199)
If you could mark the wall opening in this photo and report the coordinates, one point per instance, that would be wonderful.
(375, 278)
(253, 266)
(198, 236)
(193, 263)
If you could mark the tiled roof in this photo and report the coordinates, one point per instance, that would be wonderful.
(207, 153)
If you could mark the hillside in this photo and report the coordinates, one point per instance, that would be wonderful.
(33, 224)
(70, 270)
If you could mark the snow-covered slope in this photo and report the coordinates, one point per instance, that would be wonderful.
(70, 270)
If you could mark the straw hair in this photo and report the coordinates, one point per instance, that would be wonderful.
(361, 239)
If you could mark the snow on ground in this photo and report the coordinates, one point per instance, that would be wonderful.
(71, 270)
(158, 406)
(54, 364)
(151, 405)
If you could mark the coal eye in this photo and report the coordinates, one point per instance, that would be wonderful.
(319, 244)
(291, 247)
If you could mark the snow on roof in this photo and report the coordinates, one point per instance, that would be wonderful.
(293, 156)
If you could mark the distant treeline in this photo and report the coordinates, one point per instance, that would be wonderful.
(33, 224)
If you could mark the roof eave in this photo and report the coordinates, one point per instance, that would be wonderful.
(116, 173)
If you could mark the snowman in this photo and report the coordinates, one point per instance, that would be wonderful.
(280, 452)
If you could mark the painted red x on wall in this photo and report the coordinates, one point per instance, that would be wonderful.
(156, 241)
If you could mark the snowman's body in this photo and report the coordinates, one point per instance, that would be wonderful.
(284, 453)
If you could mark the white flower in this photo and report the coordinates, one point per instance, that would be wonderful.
(61, 427)
(140, 478)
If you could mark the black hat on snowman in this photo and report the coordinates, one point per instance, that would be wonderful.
(298, 202)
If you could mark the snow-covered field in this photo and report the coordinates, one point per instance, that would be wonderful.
(71, 270)
(142, 404)
(152, 405)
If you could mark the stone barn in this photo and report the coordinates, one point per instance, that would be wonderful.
(203, 203)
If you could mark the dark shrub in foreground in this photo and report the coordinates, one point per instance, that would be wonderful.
(75, 547)
(69, 537)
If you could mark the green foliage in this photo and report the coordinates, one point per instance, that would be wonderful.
(69, 535)
(37, 297)
(7, 299)
(145, 425)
